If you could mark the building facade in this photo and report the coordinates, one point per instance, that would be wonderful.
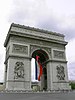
(22, 44)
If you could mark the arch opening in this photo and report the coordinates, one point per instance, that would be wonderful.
(43, 57)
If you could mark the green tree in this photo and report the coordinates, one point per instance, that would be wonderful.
(72, 86)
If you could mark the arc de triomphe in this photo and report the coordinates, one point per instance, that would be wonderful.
(22, 44)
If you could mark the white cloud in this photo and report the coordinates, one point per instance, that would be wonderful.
(54, 15)
(33, 12)
(4, 26)
(71, 70)
(70, 51)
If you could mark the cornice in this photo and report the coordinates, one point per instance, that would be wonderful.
(33, 37)
(35, 29)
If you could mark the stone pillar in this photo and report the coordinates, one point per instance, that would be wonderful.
(19, 79)
(49, 76)
(59, 76)
(5, 76)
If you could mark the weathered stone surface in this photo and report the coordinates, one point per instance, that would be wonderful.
(22, 43)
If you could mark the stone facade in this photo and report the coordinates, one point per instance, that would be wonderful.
(21, 42)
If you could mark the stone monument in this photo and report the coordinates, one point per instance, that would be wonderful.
(22, 44)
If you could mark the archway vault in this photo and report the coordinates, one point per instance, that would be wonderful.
(43, 58)
(35, 49)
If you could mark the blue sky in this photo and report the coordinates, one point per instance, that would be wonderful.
(53, 15)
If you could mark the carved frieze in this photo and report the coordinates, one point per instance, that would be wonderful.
(59, 54)
(20, 49)
(19, 70)
(38, 42)
(60, 72)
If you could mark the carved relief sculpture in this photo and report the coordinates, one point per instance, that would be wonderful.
(20, 49)
(60, 72)
(19, 70)
(59, 54)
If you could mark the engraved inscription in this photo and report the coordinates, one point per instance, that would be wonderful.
(59, 54)
(60, 72)
(20, 49)
(19, 70)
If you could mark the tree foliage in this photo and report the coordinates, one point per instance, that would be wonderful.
(72, 86)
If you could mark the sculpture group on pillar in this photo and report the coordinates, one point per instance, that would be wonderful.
(19, 70)
(60, 72)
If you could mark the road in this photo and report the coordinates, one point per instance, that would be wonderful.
(38, 96)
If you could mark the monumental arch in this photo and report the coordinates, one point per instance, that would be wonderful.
(22, 44)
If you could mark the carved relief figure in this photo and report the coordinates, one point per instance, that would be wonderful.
(20, 49)
(60, 72)
(19, 70)
(59, 54)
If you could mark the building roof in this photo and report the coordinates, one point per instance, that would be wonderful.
(36, 29)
